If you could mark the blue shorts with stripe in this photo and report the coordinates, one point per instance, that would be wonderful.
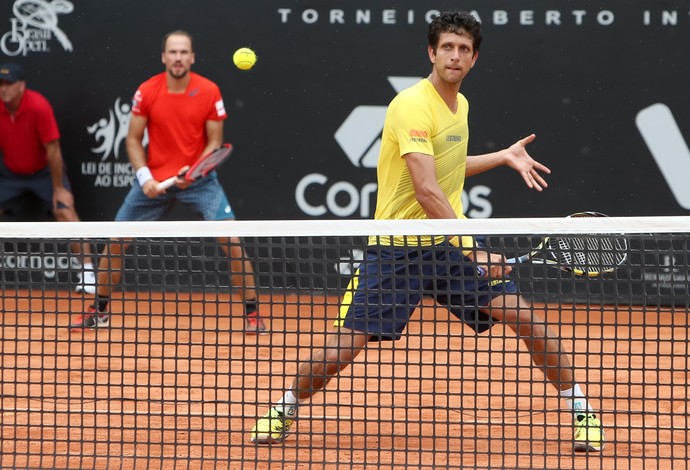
(205, 197)
(13, 187)
(391, 281)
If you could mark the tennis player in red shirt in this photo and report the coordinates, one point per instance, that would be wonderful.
(183, 113)
(32, 160)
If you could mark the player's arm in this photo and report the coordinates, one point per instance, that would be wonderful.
(436, 206)
(517, 158)
(426, 188)
(62, 197)
(214, 136)
(137, 155)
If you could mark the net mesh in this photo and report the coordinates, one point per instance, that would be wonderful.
(175, 381)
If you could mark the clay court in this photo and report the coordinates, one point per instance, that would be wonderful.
(178, 385)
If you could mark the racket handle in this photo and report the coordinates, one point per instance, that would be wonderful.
(167, 183)
(482, 272)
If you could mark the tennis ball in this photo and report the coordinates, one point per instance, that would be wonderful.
(244, 58)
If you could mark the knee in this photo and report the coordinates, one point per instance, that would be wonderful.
(523, 321)
(65, 215)
(336, 359)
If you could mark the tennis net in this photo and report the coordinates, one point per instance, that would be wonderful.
(175, 381)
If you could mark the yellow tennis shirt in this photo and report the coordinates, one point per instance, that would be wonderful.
(419, 121)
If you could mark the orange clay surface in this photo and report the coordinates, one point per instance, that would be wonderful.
(175, 383)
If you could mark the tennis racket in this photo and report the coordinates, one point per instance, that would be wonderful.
(202, 167)
(581, 254)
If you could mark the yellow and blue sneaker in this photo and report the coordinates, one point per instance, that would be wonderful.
(589, 435)
(274, 427)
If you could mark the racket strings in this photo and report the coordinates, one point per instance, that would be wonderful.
(208, 163)
(591, 255)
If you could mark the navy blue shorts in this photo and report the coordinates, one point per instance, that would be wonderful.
(13, 187)
(205, 197)
(391, 281)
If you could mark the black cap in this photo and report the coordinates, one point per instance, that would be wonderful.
(11, 72)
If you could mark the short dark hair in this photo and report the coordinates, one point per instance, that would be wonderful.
(177, 32)
(455, 22)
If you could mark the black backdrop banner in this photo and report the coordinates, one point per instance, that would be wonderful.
(603, 85)
(306, 120)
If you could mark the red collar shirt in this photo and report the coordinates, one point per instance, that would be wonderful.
(22, 136)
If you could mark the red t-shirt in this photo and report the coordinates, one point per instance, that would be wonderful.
(22, 136)
(177, 121)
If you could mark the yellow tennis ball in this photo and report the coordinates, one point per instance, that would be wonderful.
(244, 58)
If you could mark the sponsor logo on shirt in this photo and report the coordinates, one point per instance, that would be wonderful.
(418, 136)
(220, 108)
(136, 101)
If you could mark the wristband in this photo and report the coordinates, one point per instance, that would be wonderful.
(143, 175)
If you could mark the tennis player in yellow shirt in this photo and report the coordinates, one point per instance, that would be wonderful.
(422, 167)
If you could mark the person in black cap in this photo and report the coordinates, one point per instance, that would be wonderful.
(32, 160)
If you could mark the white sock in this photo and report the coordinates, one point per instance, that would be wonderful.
(575, 401)
(288, 404)
(88, 266)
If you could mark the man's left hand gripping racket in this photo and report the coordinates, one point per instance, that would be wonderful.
(202, 167)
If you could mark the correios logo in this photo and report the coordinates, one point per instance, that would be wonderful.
(50, 264)
(110, 133)
(34, 25)
(662, 135)
(359, 136)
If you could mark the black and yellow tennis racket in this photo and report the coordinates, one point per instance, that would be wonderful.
(582, 254)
